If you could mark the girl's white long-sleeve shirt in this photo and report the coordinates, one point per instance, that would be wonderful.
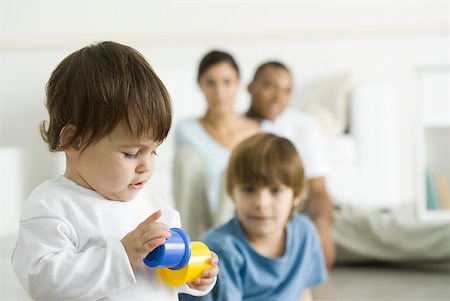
(69, 246)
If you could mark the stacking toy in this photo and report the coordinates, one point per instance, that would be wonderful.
(174, 253)
(198, 262)
(178, 260)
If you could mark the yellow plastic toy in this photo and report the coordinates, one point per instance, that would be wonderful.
(179, 261)
(199, 261)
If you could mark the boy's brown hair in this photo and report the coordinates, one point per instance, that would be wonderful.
(266, 160)
(101, 86)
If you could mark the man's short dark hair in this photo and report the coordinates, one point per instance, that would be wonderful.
(274, 64)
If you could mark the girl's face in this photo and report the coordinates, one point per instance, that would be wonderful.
(263, 211)
(220, 84)
(117, 166)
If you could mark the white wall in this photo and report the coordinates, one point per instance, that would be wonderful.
(378, 42)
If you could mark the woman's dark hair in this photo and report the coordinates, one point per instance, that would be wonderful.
(216, 57)
(99, 87)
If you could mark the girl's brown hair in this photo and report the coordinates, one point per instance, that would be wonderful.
(101, 86)
(266, 160)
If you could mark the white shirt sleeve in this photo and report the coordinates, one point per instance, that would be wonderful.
(194, 292)
(46, 257)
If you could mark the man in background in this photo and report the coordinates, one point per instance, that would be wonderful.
(270, 92)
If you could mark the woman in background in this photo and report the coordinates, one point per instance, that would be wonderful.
(203, 145)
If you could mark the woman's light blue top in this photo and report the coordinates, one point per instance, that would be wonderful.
(190, 133)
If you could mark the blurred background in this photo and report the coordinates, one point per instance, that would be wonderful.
(380, 70)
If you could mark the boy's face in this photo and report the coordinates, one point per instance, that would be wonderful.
(262, 210)
(117, 166)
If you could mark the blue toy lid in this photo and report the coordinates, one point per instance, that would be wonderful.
(187, 248)
(174, 258)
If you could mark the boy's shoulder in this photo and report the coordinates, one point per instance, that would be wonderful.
(223, 229)
(303, 231)
(224, 236)
(301, 222)
(229, 243)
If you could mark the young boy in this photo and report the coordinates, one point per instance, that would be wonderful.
(267, 251)
(84, 234)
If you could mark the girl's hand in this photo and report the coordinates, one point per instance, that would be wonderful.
(147, 236)
(208, 276)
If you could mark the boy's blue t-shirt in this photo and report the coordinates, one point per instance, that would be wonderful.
(246, 275)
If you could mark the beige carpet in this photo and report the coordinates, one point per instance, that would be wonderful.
(376, 282)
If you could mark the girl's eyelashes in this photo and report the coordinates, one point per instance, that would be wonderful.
(135, 155)
(130, 156)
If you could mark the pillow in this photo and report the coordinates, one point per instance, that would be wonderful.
(329, 102)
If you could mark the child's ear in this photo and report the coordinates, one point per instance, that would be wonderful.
(229, 194)
(233, 197)
(295, 205)
(297, 201)
(65, 137)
